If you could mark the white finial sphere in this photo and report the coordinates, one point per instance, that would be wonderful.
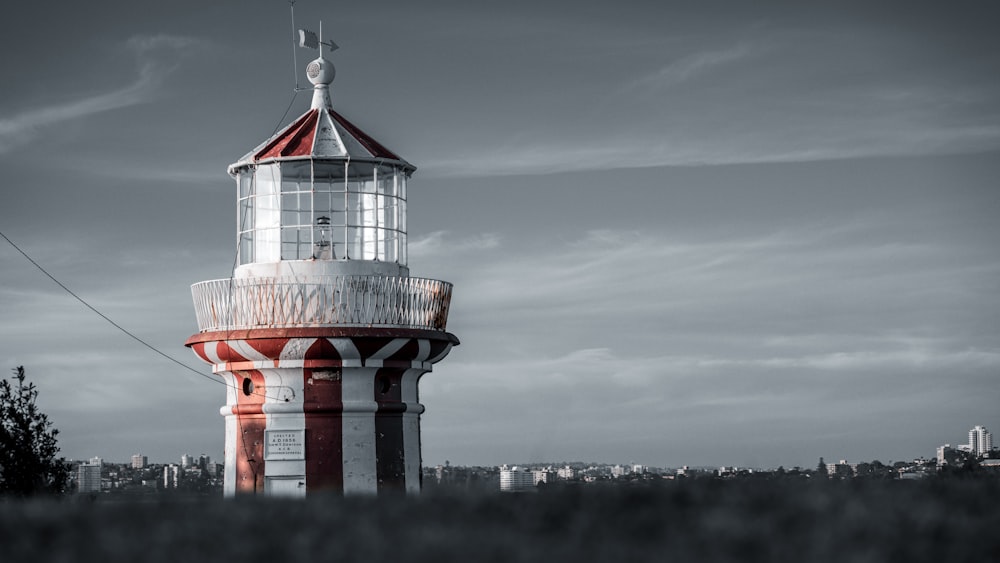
(320, 71)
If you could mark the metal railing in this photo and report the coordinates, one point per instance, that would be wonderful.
(365, 301)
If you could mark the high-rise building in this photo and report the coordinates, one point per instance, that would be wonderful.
(139, 461)
(321, 335)
(980, 441)
(942, 455)
(88, 477)
(171, 476)
(514, 479)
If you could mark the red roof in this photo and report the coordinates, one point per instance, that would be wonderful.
(295, 140)
(300, 139)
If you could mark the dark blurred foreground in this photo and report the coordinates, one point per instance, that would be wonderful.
(692, 521)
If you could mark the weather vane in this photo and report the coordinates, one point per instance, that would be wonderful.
(306, 39)
(310, 40)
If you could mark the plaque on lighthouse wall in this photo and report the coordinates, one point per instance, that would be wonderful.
(284, 445)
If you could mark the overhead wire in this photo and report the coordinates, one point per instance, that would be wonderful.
(284, 115)
(100, 314)
(122, 329)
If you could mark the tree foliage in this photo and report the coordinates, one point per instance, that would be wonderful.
(28, 463)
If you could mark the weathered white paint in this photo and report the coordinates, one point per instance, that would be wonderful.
(283, 411)
(411, 428)
(229, 446)
(360, 473)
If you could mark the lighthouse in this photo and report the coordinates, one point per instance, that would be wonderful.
(321, 335)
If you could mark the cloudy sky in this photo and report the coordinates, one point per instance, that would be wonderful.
(680, 233)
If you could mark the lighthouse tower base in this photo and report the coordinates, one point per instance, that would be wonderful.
(322, 409)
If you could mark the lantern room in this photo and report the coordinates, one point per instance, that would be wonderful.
(313, 209)
(322, 190)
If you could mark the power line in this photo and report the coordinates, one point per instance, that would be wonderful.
(105, 317)
(287, 109)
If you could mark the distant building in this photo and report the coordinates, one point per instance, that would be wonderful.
(943, 454)
(171, 475)
(620, 471)
(840, 470)
(566, 472)
(514, 479)
(187, 461)
(543, 476)
(980, 441)
(88, 477)
(139, 461)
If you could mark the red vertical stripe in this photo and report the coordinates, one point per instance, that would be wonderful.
(390, 468)
(323, 407)
(250, 432)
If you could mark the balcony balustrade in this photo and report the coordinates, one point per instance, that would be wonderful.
(322, 301)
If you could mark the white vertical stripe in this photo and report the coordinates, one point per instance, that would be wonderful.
(384, 352)
(247, 351)
(212, 353)
(284, 386)
(411, 429)
(358, 431)
(296, 348)
(229, 473)
(349, 354)
(424, 350)
(229, 446)
(440, 356)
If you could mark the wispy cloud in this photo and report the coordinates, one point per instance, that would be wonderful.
(156, 56)
(805, 138)
(582, 395)
(441, 243)
(818, 298)
(782, 97)
(690, 66)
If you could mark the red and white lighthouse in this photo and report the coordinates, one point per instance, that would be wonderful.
(321, 335)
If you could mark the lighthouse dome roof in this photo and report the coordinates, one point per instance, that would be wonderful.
(321, 133)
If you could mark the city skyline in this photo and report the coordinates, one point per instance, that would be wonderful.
(678, 234)
(979, 431)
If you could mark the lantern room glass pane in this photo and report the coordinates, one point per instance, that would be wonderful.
(246, 248)
(296, 243)
(267, 219)
(321, 210)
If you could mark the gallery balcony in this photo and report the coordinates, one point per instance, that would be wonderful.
(322, 301)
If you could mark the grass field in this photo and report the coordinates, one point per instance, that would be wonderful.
(940, 520)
